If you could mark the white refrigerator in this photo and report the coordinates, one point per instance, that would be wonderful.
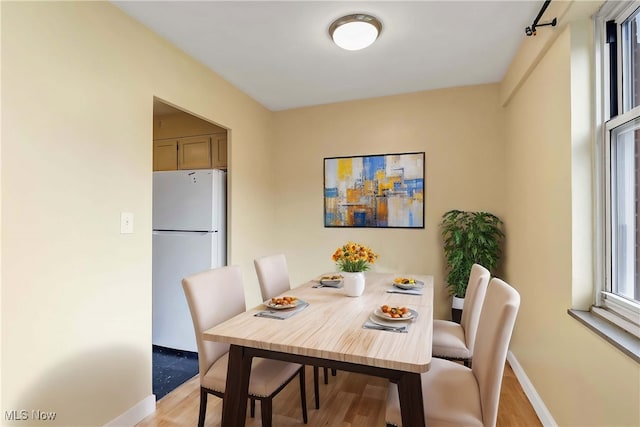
(189, 223)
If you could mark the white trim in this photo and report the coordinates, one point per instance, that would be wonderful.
(135, 414)
(623, 306)
(618, 320)
(624, 10)
(529, 390)
(601, 113)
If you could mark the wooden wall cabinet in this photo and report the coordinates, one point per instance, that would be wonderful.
(165, 155)
(219, 151)
(194, 152)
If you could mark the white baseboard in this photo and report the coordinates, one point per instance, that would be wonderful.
(529, 390)
(134, 414)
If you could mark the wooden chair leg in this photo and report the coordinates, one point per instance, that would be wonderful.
(203, 406)
(303, 394)
(316, 386)
(253, 407)
(266, 410)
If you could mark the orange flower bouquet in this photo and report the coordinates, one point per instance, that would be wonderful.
(354, 257)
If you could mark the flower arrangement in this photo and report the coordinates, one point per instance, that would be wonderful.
(354, 257)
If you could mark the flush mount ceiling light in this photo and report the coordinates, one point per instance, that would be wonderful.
(355, 32)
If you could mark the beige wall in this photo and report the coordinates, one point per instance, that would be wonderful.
(581, 378)
(459, 131)
(78, 82)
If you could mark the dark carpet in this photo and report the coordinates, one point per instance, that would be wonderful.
(171, 368)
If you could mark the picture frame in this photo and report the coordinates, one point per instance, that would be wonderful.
(375, 191)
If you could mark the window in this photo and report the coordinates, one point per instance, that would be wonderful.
(629, 43)
(618, 293)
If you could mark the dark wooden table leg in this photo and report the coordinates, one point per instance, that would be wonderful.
(411, 403)
(316, 386)
(234, 404)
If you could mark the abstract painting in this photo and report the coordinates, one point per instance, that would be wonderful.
(381, 190)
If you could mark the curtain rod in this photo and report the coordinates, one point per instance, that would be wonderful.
(531, 31)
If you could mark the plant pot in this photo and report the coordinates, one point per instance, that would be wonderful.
(456, 309)
(353, 283)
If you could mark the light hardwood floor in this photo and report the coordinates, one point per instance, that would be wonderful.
(349, 400)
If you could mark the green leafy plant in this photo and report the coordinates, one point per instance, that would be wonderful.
(469, 238)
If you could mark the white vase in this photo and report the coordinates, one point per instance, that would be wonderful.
(353, 283)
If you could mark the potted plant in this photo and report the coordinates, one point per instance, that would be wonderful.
(469, 238)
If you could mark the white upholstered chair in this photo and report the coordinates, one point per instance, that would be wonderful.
(455, 395)
(455, 341)
(213, 297)
(273, 277)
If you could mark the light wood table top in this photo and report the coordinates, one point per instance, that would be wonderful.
(329, 332)
(331, 327)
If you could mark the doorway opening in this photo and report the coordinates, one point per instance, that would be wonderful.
(189, 232)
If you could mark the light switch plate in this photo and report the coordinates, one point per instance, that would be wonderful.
(126, 222)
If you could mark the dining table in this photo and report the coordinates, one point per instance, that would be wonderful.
(330, 331)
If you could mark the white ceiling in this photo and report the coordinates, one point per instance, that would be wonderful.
(280, 53)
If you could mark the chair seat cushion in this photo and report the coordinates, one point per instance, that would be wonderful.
(449, 341)
(267, 375)
(450, 393)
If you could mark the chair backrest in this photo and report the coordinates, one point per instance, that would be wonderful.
(497, 319)
(273, 275)
(213, 297)
(476, 290)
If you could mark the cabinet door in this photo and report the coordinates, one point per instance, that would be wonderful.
(165, 155)
(194, 152)
(219, 151)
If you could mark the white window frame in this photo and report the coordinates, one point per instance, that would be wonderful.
(619, 311)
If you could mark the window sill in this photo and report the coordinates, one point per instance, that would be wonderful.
(622, 340)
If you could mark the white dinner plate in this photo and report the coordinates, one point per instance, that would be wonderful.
(330, 279)
(281, 306)
(412, 314)
(388, 323)
(406, 286)
(330, 283)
